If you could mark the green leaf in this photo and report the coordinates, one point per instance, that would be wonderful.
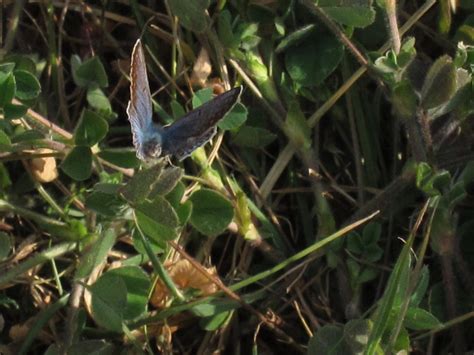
(392, 298)
(95, 254)
(7, 88)
(22, 62)
(12, 111)
(211, 213)
(356, 333)
(27, 86)
(213, 306)
(440, 83)
(420, 319)
(104, 202)
(371, 233)
(177, 109)
(225, 31)
(78, 163)
(215, 322)
(295, 38)
(141, 184)
(191, 14)
(296, 127)
(421, 287)
(329, 339)
(184, 212)
(404, 100)
(91, 129)
(4, 139)
(120, 157)
(176, 195)
(253, 137)
(348, 14)
(29, 136)
(97, 99)
(108, 301)
(157, 219)
(167, 181)
(5, 246)
(138, 286)
(432, 182)
(7, 68)
(157, 246)
(90, 73)
(202, 96)
(234, 118)
(311, 62)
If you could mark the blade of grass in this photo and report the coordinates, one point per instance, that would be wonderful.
(43, 317)
(38, 259)
(394, 285)
(157, 265)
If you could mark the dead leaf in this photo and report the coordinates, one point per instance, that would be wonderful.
(185, 276)
(202, 69)
(44, 169)
(18, 332)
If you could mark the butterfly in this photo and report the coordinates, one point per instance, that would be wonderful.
(181, 138)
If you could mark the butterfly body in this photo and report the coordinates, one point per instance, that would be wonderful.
(151, 148)
(181, 138)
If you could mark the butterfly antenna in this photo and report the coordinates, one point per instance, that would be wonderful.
(145, 26)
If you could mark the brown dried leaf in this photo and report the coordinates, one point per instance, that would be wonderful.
(44, 169)
(185, 276)
(18, 332)
(202, 69)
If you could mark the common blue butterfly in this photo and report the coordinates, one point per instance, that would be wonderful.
(181, 138)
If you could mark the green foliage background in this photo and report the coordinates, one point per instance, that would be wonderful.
(331, 214)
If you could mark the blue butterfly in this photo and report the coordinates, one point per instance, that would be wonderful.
(181, 138)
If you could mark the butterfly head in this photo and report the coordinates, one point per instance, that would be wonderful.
(151, 149)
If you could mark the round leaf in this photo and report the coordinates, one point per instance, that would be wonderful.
(313, 60)
(91, 129)
(123, 158)
(12, 111)
(27, 86)
(353, 15)
(234, 118)
(157, 219)
(440, 83)
(138, 287)
(7, 88)
(97, 99)
(109, 298)
(78, 163)
(253, 137)
(420, 319)
(211, 213)
(90, 73)
(191, 14)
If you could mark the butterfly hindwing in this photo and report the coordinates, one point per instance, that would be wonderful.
(198, 126)
(139, 109)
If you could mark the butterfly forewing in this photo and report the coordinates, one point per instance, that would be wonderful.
(139, 107)
(198, 126)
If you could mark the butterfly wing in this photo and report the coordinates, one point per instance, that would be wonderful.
(139, 109)
(198, 126)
